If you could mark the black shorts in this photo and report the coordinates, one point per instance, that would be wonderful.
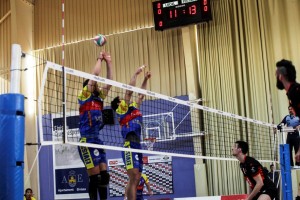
(272, 192)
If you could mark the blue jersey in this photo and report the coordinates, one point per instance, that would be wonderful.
(90, 110)
(130, 119)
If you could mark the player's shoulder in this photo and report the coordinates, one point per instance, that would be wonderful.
(84, 94)
(295, 87)
(123, 107)
(251, 160)
(133, 104)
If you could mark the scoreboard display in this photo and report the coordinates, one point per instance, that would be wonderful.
(176, 13)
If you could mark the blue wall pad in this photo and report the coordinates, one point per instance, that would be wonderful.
(12, 128)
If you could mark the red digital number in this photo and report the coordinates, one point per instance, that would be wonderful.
(160, 23)
(158, 6)
(171, 14)
(192, 10)
(205, 5)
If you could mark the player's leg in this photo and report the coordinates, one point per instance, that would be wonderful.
(134, 178)
(86, 155)
(104, 177)
(271, 193)
(132, 165)
(139, 195)
(264, 197)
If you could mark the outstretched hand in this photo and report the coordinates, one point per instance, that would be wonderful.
(100, 56)
(106, 57)
(140, 69)
(148, 75)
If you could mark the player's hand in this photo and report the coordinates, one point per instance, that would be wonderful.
(100, 56)
(106, 57)
(140, 69)
(150, 193)
(148, 75)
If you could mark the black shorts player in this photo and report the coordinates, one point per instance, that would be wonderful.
(252, 168)
(261, 186)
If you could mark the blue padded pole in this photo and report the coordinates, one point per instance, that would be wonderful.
(285, 166)
(12, 128)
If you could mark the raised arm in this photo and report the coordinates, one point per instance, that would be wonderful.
(132, 82)
(143, 86)
(92, 85)
(107, 58)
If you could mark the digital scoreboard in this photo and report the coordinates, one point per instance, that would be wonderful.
(175, 13)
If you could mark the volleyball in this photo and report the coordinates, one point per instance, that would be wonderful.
(100, 40)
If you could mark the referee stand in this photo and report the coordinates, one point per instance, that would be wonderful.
(285, 167)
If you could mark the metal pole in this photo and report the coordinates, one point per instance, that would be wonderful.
(16, 54)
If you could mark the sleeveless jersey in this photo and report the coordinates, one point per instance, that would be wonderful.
(90, 110)
(130, 118)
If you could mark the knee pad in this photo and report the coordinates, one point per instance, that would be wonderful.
(103, 179)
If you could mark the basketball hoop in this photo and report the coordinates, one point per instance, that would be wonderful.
(150, 143)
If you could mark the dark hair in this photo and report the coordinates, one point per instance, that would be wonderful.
(287, 69)
(115, 103)
(27, 191)
(243, 145)
(85, 83)
(272, 165)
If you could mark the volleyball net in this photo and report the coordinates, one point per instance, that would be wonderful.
(175, 126)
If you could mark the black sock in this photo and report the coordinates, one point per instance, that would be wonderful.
(93, 187)
(103, 180)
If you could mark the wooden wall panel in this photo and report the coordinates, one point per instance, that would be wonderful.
(5, 45)
(85, 19)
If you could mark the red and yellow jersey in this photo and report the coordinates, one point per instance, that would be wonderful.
(90, 110)
(130, 118)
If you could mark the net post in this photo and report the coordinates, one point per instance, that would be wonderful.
(64, 138)
(15, 68)
(286, 172)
